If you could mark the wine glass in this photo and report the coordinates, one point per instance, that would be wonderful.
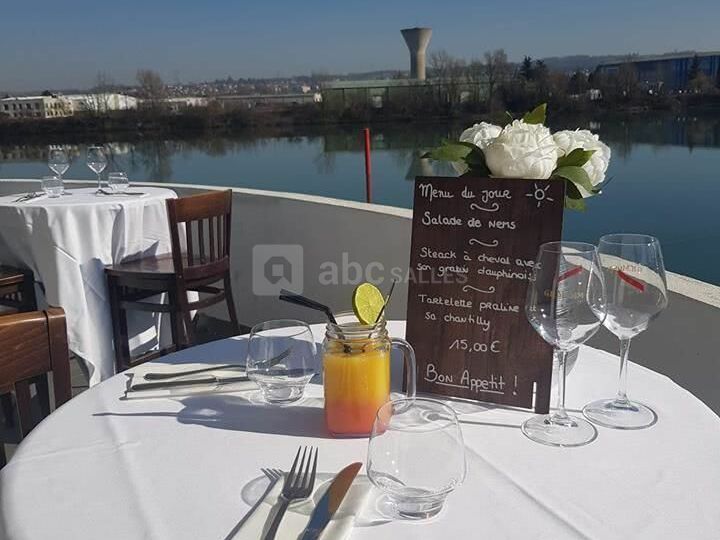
(97, 161)
(118, 182)
(416, 456)
(566, 306)
(636, 293)
(281, 359)
(58, 161)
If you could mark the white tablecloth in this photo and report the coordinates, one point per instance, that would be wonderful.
(68, 240)
(186, 468)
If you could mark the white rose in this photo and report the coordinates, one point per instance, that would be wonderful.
(597, 165)
(522, 151)
(480, 134)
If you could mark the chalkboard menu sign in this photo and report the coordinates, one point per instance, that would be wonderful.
(474, 243)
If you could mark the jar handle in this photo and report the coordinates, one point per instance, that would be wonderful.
(410, 365)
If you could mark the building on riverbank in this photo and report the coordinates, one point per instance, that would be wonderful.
(179, 104)
(379, 94)
(102, 102)
(267, 100)
(50, 106)
(671, 71)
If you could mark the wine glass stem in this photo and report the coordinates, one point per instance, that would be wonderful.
(99, 181)
(560, 416)
(622, 381)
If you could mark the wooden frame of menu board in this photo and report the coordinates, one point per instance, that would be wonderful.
(474, 243)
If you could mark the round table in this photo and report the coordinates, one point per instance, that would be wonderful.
(102, 467)
(67, 241)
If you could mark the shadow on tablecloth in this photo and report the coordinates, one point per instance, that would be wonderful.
(305, 418)
(3, 527)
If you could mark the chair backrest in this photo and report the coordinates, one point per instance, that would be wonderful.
(34, 344)
(200, 234)
(17, 289)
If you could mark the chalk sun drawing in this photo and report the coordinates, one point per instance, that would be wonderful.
(540, 194)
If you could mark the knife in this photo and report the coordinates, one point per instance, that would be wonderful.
(191, 382)
(330, 502)
(264, 364)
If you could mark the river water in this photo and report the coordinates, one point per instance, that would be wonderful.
(665, 174)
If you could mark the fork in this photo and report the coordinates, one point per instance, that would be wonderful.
(27, 197)
(299, 484)
(128, 193)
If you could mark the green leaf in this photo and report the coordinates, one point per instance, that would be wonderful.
(476, 161)
(576, 175)
(449, 152)
(575, 204)
(571, 191)
(470, 145)
(463, 152)
(573, 198)
(576, 158)
(537, 115)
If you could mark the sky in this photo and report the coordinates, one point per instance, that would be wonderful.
(60, 45)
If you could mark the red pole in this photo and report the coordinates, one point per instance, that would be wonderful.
(368, 166)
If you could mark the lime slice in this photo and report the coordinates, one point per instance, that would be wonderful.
(367, 303)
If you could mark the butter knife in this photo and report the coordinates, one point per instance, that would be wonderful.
(172, 375)
(159, 385)
(330, 502)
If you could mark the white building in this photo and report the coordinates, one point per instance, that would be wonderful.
(177, 104)
(36, 107)
(267, 100)
(102, 102)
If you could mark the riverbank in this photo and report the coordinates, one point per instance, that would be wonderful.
(211, 121)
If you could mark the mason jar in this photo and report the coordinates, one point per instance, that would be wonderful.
(356, 373)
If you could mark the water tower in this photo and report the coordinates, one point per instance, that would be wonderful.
(417, 40)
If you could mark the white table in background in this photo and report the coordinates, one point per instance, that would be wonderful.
(68, 240)
(177, 468)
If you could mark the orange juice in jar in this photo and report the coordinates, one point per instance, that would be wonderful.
(356, 374)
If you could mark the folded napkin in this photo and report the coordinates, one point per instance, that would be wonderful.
(230, 379)
(253, 526)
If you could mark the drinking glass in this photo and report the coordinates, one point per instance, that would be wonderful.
(52, 186)
(118, 182)
(97, 161)
(416, 456)
(356, 373)
(566, 306)
(58, 161)
(636, 293)
(281, 359)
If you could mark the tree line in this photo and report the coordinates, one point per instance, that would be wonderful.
(519, 86)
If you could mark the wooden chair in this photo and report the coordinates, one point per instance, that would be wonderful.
(200, 228)
(33, 345)
(17, 289)
(17, 292)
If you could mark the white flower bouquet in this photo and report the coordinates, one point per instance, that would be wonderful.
(527, 149)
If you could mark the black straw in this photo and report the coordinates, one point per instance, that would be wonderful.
(387, 301)
(300, 300)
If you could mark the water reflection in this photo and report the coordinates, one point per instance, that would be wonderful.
(153, 158)
(664, 169)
